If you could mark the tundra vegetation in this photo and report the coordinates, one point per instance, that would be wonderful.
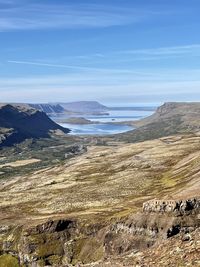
(125, 200)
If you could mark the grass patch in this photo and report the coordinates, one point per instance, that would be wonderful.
(83, 250)
(168, 181)
(7, 260)
(52, 247)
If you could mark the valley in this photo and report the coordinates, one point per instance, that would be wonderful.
(78, 201)
(99, 133)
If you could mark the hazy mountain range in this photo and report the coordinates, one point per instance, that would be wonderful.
(81, 107)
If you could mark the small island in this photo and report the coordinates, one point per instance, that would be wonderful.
(76, 120)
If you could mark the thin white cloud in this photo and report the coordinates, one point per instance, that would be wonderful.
(48, 65)
(103, 79)
(149, 54)
(163, 52)
(30, 16)
(83, 68)
(151, 91)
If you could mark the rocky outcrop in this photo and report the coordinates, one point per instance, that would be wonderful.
(180, 250)
(40, 245)
(158, 221)
(65, 242)
(60, 242)
(74, 150)
(189, 206)
(51, 226)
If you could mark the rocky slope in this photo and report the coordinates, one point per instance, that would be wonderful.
(143, 239)
(182, 250)
(97, 210)
(113, 204)
(19, 122)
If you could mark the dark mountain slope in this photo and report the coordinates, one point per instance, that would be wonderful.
(18, 123)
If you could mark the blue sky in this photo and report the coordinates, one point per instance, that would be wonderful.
(114, 51)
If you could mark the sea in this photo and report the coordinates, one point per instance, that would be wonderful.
(107, 124)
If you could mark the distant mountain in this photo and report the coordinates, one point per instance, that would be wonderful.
(49, 109)
(84, 107)
(169, 119)
(186, 115)
(19, 122)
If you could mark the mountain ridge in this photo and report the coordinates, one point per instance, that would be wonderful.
(18, 123)
(169, 119)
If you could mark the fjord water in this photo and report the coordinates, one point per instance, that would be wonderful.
(107, 124)
(121, 115)
(96, 129)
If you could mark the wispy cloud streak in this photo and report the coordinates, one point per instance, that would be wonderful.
(81, 68)
(31, 16)
(157, 53)
(95, 84)
(163, 52)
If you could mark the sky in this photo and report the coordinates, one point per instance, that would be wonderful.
(112, 51)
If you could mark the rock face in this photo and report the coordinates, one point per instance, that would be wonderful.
(40, 245)
(159, 221)
(78, 149)
(172, 206)
(51, 226)
(22, 122)
(53, 243)
(49, 109)
(65, 242)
